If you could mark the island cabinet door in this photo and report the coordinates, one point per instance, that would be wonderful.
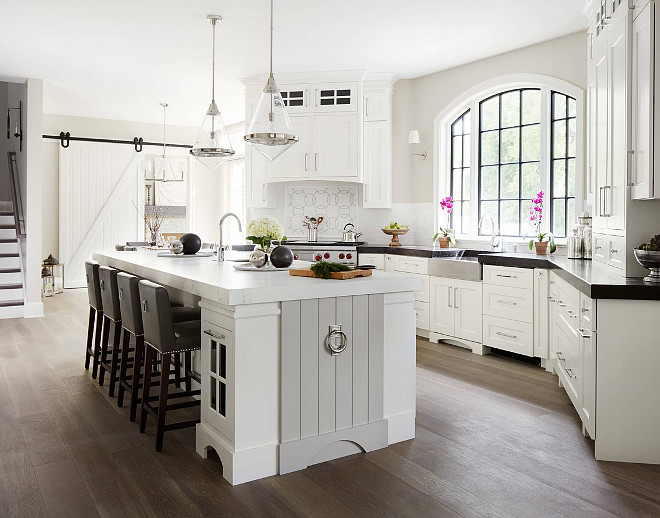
(218, 379)
(441, 293)
(331, 400)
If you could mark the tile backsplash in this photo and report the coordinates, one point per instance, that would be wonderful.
(336, 204)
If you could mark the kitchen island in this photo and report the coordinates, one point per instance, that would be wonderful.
(294, 370)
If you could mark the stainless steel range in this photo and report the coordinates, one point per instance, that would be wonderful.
(332, 251)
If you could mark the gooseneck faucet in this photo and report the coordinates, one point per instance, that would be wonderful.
(494, 231)
(221, 247)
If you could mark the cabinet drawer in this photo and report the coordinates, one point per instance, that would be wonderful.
(511, 303)
(600, 247)
(423, 294)
(509, 335)
(377, 260)
(568, 300)
(552, 285)
(411, 264)
(422, 315)
(507, 276)
(587, 312)
(616, 251)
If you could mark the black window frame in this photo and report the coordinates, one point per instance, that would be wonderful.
(551, 198)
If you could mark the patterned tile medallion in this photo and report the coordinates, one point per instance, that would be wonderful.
(337, 205)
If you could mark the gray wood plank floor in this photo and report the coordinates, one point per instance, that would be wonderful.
(495, 437)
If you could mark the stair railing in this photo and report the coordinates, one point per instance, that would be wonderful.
(17, 201)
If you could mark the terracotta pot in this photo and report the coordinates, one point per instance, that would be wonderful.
(541, 247)
(443, 242)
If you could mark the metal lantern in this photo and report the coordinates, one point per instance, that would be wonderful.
(47, 282)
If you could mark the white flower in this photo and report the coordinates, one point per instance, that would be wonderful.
(266, 226)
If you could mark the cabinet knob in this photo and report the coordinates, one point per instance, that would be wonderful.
(613, 251)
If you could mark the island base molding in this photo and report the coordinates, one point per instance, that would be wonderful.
(475, 347)
(296, 455)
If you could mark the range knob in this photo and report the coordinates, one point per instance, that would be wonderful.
(318, 257)
(341, 256)
(349, 256)
(295, 256)
(326, 255)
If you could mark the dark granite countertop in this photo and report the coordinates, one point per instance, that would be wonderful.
(591, 278)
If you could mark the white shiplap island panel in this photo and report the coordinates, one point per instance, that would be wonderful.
(274, 398)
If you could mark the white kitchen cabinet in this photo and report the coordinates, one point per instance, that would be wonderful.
(588, 342)
(422, 315)
(508, 335)
(296, 97)
(377, 165)
(377, 260)
(335, 97)
(295, 161)
(334, 151)
(452, 308)
(256, 186)
(377, 105)
(599, 128)
(408, 264)
(541, 314)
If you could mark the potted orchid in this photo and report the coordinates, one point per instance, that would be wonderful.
(445, 234)
(536, 216)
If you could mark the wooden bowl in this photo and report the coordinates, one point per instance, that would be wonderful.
(395, 233)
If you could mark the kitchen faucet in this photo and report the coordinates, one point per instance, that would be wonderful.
(221, 247)
(494, 231)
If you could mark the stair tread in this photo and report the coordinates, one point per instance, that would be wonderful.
(12, 254)
(7, 227)
(7, 303)
(9, 240)
(10, 270)
(15, 286)
(6, 213)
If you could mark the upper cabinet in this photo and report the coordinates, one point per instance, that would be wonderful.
(344, 127)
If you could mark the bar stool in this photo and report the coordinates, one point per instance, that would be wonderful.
(111, 317)
(131, 318)
(93, 347)
(162, 335)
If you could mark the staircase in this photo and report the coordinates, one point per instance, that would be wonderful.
(11, 277)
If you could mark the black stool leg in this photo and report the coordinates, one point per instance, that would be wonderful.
(177, 370)
(104, 347)
(123, 366)
(115, 357)
(137, 367)
(187, 365)
(97, 342)
(90, 336)
(162, 400)
(148, 360)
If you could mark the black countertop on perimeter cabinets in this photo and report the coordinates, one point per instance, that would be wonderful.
(592, 278)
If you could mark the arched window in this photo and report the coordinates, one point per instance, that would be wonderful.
(502, 144)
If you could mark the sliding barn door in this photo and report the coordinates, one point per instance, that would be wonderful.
(98, 196)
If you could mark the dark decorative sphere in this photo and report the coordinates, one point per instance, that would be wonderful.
(191, 243)
(281, 257)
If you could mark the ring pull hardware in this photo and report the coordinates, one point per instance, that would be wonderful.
(336, 340)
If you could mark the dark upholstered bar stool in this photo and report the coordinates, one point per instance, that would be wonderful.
(93, 348)
(162, 335)
(111, 319)
(131, 317)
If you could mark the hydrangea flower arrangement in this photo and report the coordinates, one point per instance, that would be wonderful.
(263, 230)
(447, 205)
(535, 217)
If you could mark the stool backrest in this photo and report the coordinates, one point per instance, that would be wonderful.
(109, 292)
(93, 285)
(157, 316)
(129, 303)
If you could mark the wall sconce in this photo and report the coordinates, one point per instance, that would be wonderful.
(18, 127)
(413, 138)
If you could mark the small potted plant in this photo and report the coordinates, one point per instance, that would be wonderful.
(264, 230)
(445, 235)
(543, 240)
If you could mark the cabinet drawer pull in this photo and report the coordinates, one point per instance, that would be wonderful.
(504, 334)
(560, 357)
(449, 296)
(561, 304)
(571, 313)
(585, 310)
(316, 161)
(456, 298)
(306, 161)
(584, 334)
(551, 299)
(613, 251)
(598, 247)
(569, 373)
(506, 276)
(506, 302)
(213, 335)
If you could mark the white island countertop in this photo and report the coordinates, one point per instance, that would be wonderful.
(220, 282)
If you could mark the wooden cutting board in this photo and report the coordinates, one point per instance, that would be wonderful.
(306, 272)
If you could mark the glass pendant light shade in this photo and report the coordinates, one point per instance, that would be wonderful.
(271, 132)
(164, 172)
(212, 146)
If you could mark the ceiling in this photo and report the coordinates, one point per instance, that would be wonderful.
(118, 59)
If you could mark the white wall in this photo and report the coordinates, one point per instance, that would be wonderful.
(5, 188)
(418, 101)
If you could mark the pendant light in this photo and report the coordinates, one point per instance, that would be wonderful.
(212, 147)
(271, 131)
(164, 171)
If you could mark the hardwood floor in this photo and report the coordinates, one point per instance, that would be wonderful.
(495, 437)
